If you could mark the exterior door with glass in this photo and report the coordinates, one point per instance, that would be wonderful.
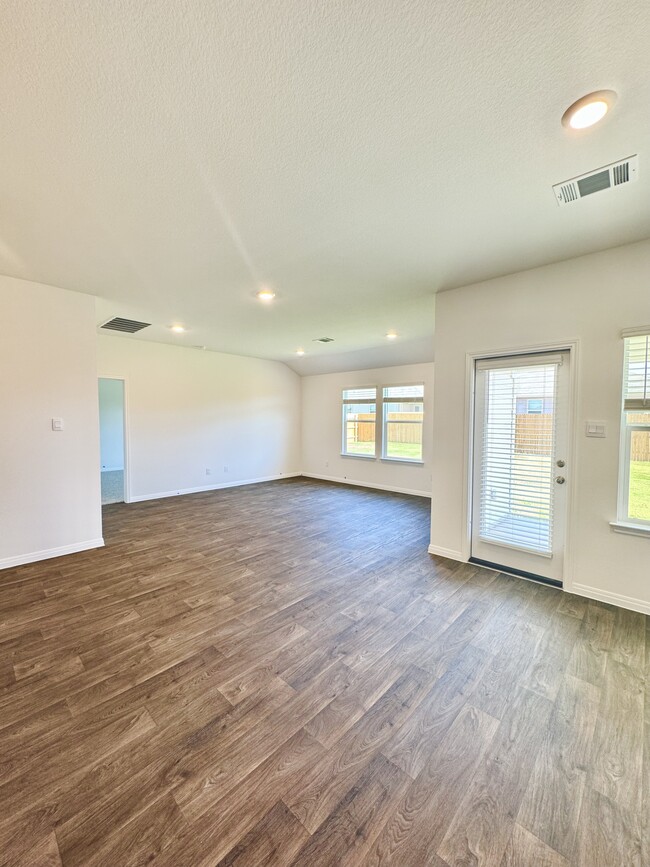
(520, 470)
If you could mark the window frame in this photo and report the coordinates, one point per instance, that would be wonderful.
(624, 521)
(380, 422)
(624, 516)
(385, 422)
(347, 402)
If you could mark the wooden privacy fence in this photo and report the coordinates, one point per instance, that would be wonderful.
(534, 436)
(640, 445)
(533, 433)
(363, 430)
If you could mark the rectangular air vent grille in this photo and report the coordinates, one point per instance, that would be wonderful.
(323, 340)
(604, 178)
(621, 173)
(569, 193)
(126, 326)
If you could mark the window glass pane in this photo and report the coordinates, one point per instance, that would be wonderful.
(360, 394)
(639, 500)
(397, 391)
(518, 448)
(403, 430)
(359, 428)
(637, 418)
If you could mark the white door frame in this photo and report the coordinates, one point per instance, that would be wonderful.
(573, 347)
(127, 460)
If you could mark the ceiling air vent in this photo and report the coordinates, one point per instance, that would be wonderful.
(126, 326)
(623, 172)
(323, 340)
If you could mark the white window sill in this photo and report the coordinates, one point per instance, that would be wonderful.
(404, 461)
(360, 457)
(630, 529)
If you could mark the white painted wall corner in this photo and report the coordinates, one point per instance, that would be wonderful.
(449, 553)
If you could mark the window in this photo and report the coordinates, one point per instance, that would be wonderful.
(634, 493)
(401, 410)
(359, 421)
(535, 405)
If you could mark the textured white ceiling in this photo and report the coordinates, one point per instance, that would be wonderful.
(170, 156)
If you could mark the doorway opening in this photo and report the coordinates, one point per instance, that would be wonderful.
(111, 440)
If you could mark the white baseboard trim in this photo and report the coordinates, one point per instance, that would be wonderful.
(449, 553)
(49, 553)
(354, 483)
(617, 599)
(182, 491)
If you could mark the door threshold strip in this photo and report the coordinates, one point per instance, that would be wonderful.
(518, 573)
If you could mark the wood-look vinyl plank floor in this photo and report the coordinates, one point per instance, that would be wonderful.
(281, 674)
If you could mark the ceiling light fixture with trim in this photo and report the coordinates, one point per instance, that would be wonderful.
(178, 329)
(589, 109)
(391, 335)
(266, 294)
(300, 352)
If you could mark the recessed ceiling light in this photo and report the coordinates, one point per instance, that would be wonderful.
(588, 110)
(300, 352)
(266, 294)
(391, 335)
(178, 329)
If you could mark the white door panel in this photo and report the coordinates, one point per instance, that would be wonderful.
(519, 463)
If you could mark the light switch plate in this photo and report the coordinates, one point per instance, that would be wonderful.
(57, 424)
(595, 429)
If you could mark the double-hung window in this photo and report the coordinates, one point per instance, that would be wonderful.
(383, 422)
(360, 422)
(634, 484)
(403, 412)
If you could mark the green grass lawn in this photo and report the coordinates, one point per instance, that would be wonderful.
(360, 448)
(640, 490)
(405, 450)
(412, 451)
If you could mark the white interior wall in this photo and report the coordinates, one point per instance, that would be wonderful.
(321, 430)
(189, 411)
(111, 424)
(49, 480)
(589, 299)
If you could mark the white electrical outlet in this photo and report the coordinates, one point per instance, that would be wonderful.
(208, 471)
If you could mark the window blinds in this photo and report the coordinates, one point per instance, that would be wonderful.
(403, 393)
(636, 380)
(359, 395)
(518, 450)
